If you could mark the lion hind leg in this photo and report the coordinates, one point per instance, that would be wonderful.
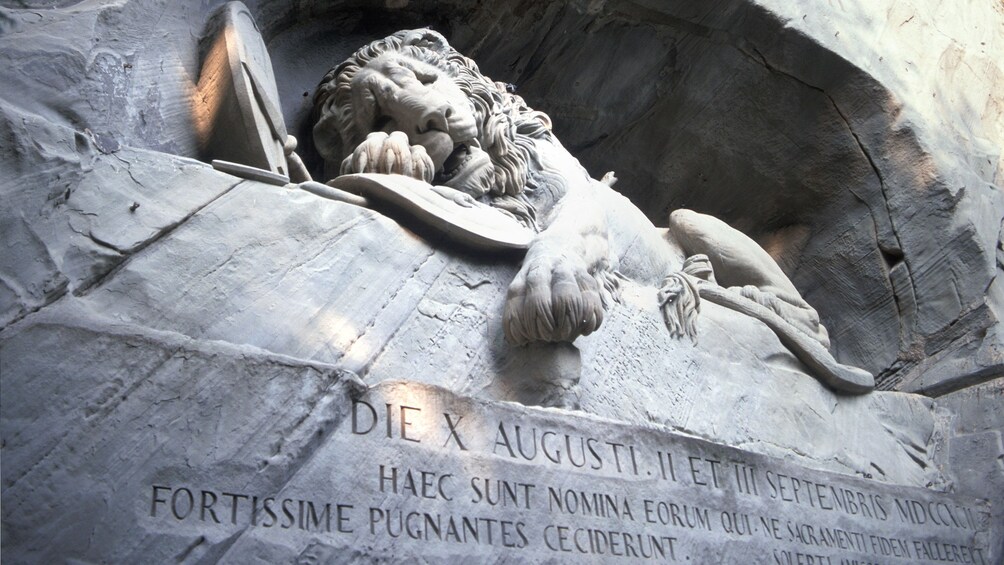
(737, 260)
(741, 265)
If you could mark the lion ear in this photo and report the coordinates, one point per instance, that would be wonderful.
(427, 39)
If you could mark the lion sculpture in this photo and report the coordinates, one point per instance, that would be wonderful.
(411, 105)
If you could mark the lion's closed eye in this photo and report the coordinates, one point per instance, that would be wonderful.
(425, 74)
(426, 77)
(380, 120)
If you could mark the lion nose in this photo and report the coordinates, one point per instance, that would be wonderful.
(435, 120)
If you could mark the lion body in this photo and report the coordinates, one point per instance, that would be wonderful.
(404, 89)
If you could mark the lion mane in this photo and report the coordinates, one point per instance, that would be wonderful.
(506, 125)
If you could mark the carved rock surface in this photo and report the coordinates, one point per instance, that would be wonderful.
(217, 347)
(344, 286)
(859, 142)
(75, 209)
(976, 444)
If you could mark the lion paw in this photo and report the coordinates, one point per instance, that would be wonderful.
(805, 318)
(390, 154)
(765, 299)
(553, 298)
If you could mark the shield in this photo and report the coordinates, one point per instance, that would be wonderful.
(236, 105)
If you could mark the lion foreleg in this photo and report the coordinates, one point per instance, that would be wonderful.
(566, 280)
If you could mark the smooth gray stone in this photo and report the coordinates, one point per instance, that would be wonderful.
(93, 409)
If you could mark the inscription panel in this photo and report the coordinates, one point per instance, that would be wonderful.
(413, 470)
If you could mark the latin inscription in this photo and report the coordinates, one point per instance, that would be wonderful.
(437, 469)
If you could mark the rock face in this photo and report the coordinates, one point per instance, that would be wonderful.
(396, 307)
(163, 322)
(871, 153)
(860, 144)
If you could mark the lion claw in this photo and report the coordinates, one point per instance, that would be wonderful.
(552, 299)
(389, 154)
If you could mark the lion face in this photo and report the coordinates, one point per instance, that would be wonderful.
(396, 92)
(478, 136)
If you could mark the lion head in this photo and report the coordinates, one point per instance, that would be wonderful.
(478, 134)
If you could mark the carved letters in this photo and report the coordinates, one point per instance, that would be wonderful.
(411, 466)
